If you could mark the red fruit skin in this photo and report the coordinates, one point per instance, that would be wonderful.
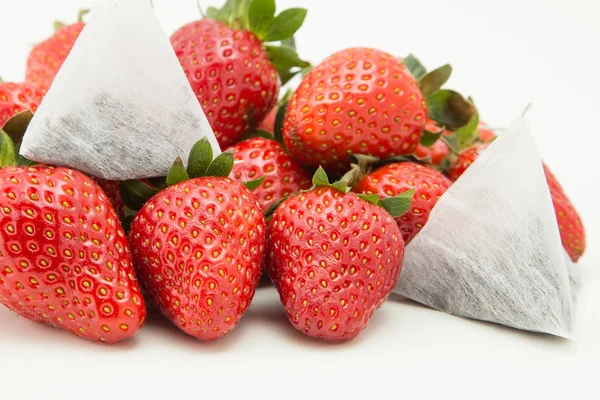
(46, 58)
(438, 151)
(465, 159)
(16, 98)
(199, 248)
(572, 231)
(64, 258)
(485, 134)
(334, 259)
(396, 178)
(111, 189)
(230, 73)
(358, 100)
(268, 124)
(259, 157)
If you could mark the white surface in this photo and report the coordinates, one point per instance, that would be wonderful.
(506, 54)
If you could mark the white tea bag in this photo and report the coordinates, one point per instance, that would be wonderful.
(491, 249)
(121, 106)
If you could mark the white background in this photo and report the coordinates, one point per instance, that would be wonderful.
(506, 54)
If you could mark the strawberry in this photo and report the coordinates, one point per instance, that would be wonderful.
(199, 246)
(268, 124)
(334, 258)
(438, 151)
(396, 178)
(358, 100)
(485, 133)
(233, 74)
(17, 97)
(464, 160)
(111, 189)
(283, 175)
(46, 58)
(64, 258)
(572, 232)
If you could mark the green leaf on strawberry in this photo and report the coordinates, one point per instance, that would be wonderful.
(285, 25)
(469, 134)
(222, 165)
(177, 173)
(258, 16)
(284, 58)
(416, 68)
(433, 81)
(429, 138)
(7, 150)
(291, 42)
(211, 13)
(449, 108)
(16, 126)
(135, 193)
(261, 15)
(200, 158)
(320, 178)
(254, 183)
(369, 198)
(397, 205)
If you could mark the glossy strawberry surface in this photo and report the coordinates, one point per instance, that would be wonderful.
(231, 75)
(64, 258)
(199, 248)
(259, 157)
(334, 259)
(17, 97)
(358, 100)
(396, 178)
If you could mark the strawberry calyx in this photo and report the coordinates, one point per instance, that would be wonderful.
(135, 193)
(58, 25)
(395, 206)
(258, 17)
(11, 136)
(449, 109)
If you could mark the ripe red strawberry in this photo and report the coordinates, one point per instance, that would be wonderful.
(268, 124)
(64, 259)
(572, 232)
(465, 159)
(436, 152)
(17, 97)
(111, 189)
(47, 57)
(259, 157)
(334, 258)
(199, 245)
(232, 73)
(485, 133)
(358, 100)
(396, 178)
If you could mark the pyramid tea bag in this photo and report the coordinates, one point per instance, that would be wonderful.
(491, 249)
(121, 106)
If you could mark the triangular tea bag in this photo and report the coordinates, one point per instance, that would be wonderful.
(491, 249)
(121, 106)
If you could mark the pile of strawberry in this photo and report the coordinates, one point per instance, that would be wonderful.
(383, 128)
